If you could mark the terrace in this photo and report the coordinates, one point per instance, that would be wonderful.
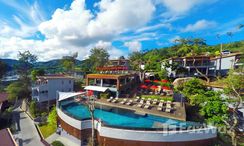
(178, 112)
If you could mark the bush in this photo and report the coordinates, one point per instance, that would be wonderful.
(159, 97)
(33, 109)
(104, 95)
(52, 117)
(57, 143)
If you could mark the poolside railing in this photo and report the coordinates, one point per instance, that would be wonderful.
(163, 128)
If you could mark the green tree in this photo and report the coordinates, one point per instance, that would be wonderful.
(37, 72)
(193, 90)
(26, 62)
(99, 57)
(52, 117)
(16, 90)
(68, 62)
(33, 108)
(214, 108)
(234, 85)
(3, 69)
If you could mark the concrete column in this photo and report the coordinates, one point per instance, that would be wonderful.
(118, 84)
(101, 82)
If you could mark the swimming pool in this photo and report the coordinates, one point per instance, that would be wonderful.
(121, 118)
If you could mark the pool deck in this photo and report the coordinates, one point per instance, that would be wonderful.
(178, 113)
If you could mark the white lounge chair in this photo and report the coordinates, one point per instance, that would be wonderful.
(123, 101)
(155, 101)
(168, 110)
(160, 106)
(130, 102)
(137, 99)
(168, 105)
(140, 104)
(115, 100)
(147, 105)
(110, 99)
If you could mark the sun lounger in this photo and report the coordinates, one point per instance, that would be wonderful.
(155, 101)
(115, 100)
(130, 102)
(160, 106)
(140, 104)
(123, 101)
(168, 110)
(137, 99)
(169, 102)
(168, 105)
(147, 105)
(110, 99)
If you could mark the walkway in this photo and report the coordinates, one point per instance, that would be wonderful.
(66, 139)
(26, 131)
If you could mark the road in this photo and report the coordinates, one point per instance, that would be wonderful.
(27, 133)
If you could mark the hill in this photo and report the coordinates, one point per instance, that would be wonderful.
(52, 66)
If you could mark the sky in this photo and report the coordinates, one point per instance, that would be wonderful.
(51, 29)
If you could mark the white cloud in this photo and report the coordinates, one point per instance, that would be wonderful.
(80, 27)
(181, 7)
(133, 46)
(77, 29)
(154, 27)
(199, 25)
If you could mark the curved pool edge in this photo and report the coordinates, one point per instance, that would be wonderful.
(78, 128)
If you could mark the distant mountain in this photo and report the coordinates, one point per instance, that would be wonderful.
(51, 66)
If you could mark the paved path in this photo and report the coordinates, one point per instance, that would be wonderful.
(27, 133)
(66, 139)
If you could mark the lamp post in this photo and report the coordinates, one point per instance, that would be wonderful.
(91, 108)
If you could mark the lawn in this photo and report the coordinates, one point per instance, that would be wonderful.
(159, 97)
(47, 130)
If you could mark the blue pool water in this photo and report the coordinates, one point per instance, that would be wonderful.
(121, 118)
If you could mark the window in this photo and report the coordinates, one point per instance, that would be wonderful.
(62, 82)
(69, 81)
(69, 89)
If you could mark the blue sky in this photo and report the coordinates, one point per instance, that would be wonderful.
(51, 29)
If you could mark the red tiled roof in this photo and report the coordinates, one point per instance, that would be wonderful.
(3, 97)
(6, 138)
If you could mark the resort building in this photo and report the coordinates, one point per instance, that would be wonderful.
(210, 66)
(115, 125)
(119, 85)
(46, 87)
(119, 62)
(115, 78)
(7, 138)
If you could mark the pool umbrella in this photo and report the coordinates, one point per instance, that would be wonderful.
(156, 81)
(164, 81)
(89, 93)
(166, 88)
(147, 81)
(153, 87)
(143, 86)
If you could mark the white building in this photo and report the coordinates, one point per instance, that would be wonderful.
(46, 87)
(209, 66)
